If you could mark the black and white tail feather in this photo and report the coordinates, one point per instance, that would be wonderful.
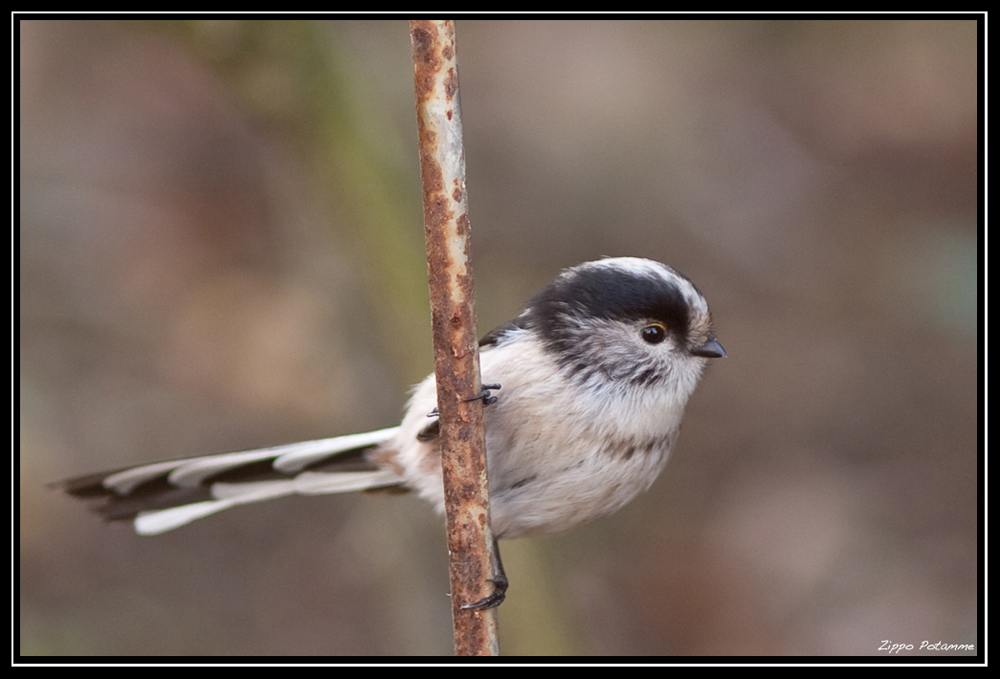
(165, 495)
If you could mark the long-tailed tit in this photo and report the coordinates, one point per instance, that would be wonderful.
(593, 378)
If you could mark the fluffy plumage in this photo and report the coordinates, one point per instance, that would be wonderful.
(595, 374)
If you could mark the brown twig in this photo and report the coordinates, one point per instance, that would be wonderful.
(456, 354)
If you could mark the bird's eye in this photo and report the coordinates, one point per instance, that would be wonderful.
(654, 333)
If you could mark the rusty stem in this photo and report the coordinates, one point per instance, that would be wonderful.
(456, 351)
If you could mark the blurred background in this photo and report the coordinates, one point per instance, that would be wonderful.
(221, 248)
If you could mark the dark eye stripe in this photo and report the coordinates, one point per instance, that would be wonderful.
(608, 293)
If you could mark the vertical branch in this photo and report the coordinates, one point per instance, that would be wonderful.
(456, 351)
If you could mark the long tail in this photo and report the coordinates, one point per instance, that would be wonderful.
(166, 495)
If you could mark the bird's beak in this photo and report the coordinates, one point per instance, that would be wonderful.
(710, 349)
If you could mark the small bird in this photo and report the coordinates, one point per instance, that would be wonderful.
(591, 381)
